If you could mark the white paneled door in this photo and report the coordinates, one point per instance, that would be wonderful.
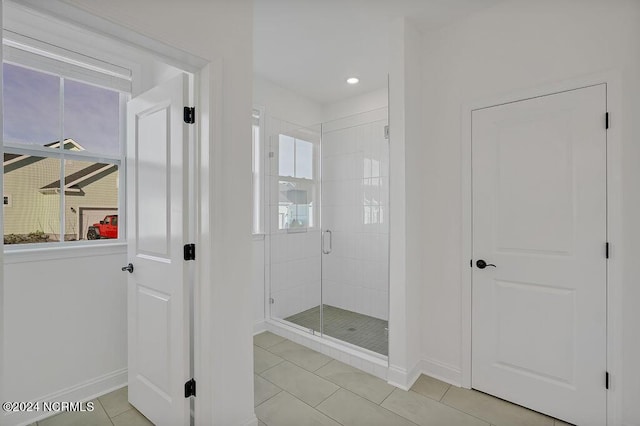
(158, 311)
(539, 216)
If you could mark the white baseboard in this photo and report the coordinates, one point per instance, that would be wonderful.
(82, 392)
(441, 371)
(397, 377)
(259, 327)
(252, 421)
(403, 379)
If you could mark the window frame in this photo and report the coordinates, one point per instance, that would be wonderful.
(74, 66)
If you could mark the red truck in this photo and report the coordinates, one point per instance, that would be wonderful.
(107, 228)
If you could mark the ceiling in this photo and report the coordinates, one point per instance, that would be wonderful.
(313, 46)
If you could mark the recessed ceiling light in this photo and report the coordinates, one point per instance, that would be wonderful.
(353, 80)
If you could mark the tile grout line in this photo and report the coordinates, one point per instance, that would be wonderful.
(445, 392)
(326, 363)
(387, 397)
(105, 411)
(326, 414)
(463, 412)
(314, 408)
(268, 399)
(332, 393)
(384, 408)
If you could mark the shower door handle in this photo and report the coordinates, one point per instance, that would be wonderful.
(325, 251)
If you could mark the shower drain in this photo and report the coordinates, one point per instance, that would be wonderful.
(351, 329)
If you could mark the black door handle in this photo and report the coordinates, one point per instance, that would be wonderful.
(482, 264)
(128, 268)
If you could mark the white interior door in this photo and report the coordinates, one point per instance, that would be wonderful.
(539, 215)
(157, 291)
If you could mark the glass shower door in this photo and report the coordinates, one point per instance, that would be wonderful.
(355, 230)
(294, 233)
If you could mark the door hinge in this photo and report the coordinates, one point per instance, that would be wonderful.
(606, 380)
(606, 249)
(271, 301)
(189, 115)
(386, 132)
(190, 388)
(189, 252)
(606, 120)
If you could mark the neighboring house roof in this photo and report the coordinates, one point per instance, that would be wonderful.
(9, 159)
(72, 183)
(75, 181)
(69, 144)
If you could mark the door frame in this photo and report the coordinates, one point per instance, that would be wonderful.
(613, 81)
(206, 139)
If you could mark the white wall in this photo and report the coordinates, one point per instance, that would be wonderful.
(406, 207)
(285, 104)
(355, 105)
(513, 46)
(65, 320)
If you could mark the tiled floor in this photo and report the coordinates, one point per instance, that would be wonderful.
(296, 386)
(352, 327)
(112, 409)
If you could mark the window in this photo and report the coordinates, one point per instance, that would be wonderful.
(296, 184)
(62, 150)
(257, 171)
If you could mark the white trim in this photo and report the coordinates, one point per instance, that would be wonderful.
(442, 371)
(78, 249)
(81, 392)
(259, 327)
(67, 69)
(613, 80)
(69, 13)
(397, 377)
(253, 421)
(208, 117)
(41, 48)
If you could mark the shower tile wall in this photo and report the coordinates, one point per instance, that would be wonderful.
(295, 275)
(355, 206)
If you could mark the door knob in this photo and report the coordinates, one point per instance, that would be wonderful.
(128, 268)
(482, 264)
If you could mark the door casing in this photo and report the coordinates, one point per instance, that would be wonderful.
(613, 81)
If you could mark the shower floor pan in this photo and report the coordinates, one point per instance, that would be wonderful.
(351, 327)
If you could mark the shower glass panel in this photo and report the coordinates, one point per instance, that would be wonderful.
(328, 209)
(293, 166)
(355, 230)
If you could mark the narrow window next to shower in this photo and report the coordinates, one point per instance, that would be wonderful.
(297, 186)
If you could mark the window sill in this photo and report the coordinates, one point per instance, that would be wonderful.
(42, 253)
